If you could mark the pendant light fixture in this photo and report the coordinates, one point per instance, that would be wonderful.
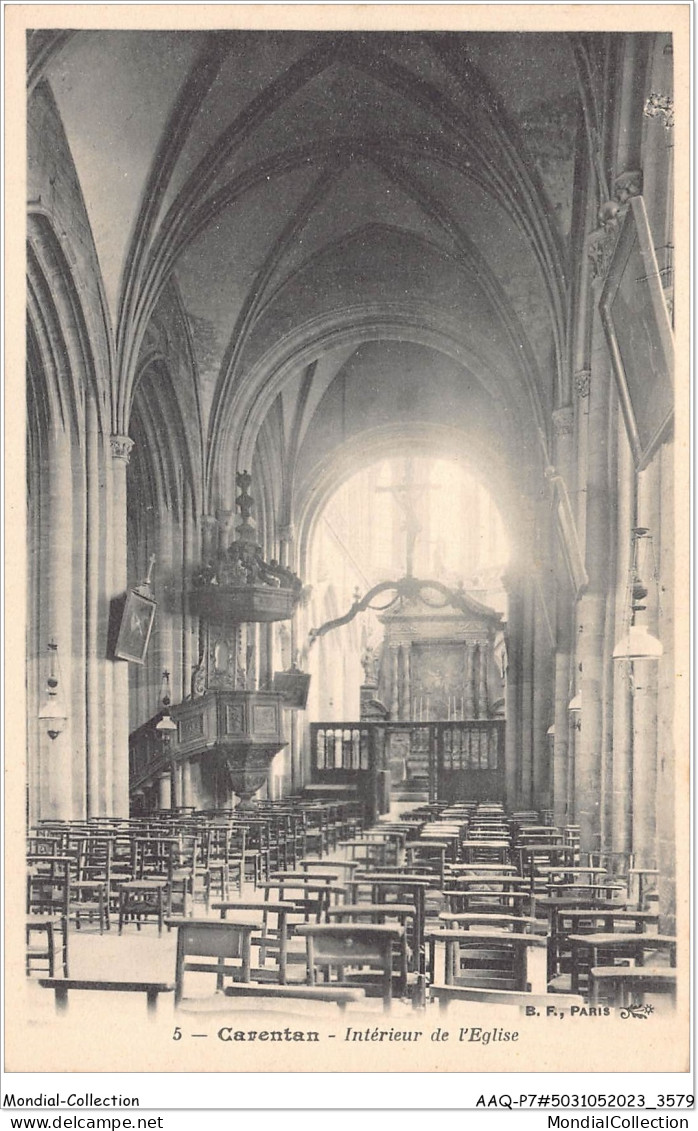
(166, 727)
(637, 642)
(53, 713)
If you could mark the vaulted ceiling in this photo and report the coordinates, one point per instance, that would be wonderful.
(308, 194)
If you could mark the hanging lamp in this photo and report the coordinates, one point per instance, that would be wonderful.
(53, 713)
(637, 642)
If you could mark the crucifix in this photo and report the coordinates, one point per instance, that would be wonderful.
(406, 495)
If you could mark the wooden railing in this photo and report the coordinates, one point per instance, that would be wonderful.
(460, 760)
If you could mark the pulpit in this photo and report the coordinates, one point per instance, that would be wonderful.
(238, 732)
(231, 725)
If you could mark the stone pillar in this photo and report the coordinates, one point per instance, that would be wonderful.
(592, 611)
(94, 706)
(669, 882)
(561, 745)
(513, 696)
(163, 633)
(287, 537)
(56, 777)
(165, 791)
(209, 537)
(190, 635)
(622, 772)
(645, 673)
(176, 787)
(563, 434)
(543, 688)
(121, 449)
(186, 783)
(610, 633)
(527, 686)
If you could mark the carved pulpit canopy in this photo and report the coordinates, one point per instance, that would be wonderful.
(235, 583)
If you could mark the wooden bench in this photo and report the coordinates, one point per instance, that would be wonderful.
(340, 995)
(61, 987)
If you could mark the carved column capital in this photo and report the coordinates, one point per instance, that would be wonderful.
(121, 447)
(563, 421)
(582, 382)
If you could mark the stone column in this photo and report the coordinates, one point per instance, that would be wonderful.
(163, 633)
(121, 450)
(543, 688)
(94, 706)
(669, 882)
(645, 673)
(165, 791)
(563, 432)
(592, 608)
(190, 635)
(209, 537)
(176, 788)
(622, 773)
(527, 686)
(186, 783)
(56, 776)
(513, 696)
(561, 746)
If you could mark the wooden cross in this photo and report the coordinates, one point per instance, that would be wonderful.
(406, 495)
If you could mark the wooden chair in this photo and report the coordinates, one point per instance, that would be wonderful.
(48, 899)
(216, 940)
(488, 959)
(90, 891)
(404, 914)
(272, 937)
(566, 921)
(342, 946)
(603, 949)
(625, 982)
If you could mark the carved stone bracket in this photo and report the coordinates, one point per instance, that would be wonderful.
(627, 185)
(582, 383)
(602, 242)
(121, 447)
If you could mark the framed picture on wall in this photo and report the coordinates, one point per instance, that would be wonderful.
(638, 329)
(293, 685)
(135, 627)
